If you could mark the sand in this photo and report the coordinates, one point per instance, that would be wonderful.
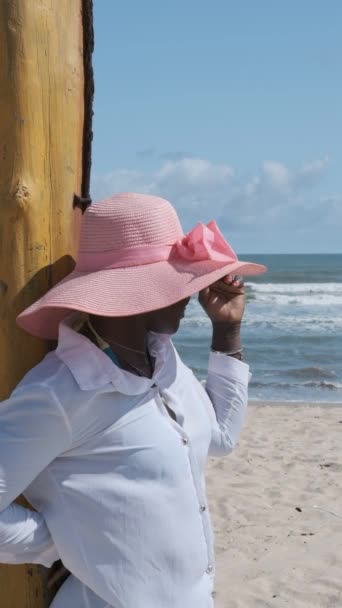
(276, 504)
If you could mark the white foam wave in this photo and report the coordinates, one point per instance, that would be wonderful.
(284, 312)
(196, 321)
(299, 300)
(321, 384)
(305, 323)
(311, 324)
(332, 288)
(300, 294)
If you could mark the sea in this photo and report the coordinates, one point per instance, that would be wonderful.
(292, 330)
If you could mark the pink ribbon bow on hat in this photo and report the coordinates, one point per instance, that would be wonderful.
(204, 242)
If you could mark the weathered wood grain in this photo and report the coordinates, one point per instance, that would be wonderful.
(41, 133)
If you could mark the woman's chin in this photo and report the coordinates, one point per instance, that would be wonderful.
(171, 329)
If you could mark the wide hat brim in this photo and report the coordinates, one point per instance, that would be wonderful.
(123, 292)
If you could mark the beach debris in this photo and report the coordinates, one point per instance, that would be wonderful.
(334, 466)
(299, 509)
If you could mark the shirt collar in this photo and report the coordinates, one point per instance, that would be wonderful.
(93, 369)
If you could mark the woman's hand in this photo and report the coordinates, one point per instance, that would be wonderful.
(224, 301)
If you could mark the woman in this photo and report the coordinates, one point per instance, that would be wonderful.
(108, 436)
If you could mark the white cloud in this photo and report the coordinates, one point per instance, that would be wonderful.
(315, 167)
(310, 173)
(119, 180)
(276, 200)
(195, 170)
(276, 174)
(192, 184)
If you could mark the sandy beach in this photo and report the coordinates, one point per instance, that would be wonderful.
(276, 504)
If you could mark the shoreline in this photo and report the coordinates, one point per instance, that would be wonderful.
(299, 403)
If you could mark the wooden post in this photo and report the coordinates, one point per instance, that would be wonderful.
(43, 151)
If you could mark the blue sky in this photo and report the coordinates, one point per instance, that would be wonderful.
(231, 110)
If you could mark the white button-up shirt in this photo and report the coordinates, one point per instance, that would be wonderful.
(117, 483)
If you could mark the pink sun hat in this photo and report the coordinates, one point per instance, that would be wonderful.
(133, 258)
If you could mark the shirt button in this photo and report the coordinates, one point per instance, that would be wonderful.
(185, 441)
(202, 508)
(209, 569)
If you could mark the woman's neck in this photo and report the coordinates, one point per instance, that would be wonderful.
(127, 337)
(124, 332)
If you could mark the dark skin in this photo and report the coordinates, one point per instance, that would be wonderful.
(127, 336)
(224, 303)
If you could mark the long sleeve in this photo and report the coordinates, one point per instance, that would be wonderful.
(33, 432)
(25, 538)
(227, 388)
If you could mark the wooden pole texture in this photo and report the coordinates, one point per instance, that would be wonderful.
(42, 165)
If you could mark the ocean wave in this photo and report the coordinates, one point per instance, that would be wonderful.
(321, 299)
(321, 384)
(303, 323)
(332, 386)
(309, 372)
(197, 321)
(291, 333)
(271, 319)
(296, 287)
(263, 313)
(300, 294)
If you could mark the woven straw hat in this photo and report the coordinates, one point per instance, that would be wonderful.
(133, 258)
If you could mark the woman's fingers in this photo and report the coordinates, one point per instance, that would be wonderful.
(224, 300)
(223, 290)
(234, 280)
(229, 286)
